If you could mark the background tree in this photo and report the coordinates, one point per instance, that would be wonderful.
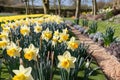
(77, 13)
(26, 2)
(32, 1)
(59, 7)
(94, 7)
(46, 6)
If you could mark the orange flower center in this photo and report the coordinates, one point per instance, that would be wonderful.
(11, 52)
(65, 63)
(29, 55)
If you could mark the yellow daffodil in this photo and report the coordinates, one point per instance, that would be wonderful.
(2, 25)
(4, 43)
(63, 37)
(25, 30)
(11, 25)
(46, 35)
(54, 40)
(58, 20)
(37, 28)
(6, 29)
(13, 50)
(4, 35)
(27, 21)
(66, 61)
(56, 33)
(72, 44)
(40, 20)
(65, 30)
(31, 52)
(23, 73)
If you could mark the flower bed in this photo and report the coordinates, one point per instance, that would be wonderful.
(36, 48)
(108, 40)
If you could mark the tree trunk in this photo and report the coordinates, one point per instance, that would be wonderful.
(46, 6)
(55, 7)
(59, 7)
(77, 13)
(33, 6)
(26, 6)
(94, 7)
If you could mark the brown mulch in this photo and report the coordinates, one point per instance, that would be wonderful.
(108, 63)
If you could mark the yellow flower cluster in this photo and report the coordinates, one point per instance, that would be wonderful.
(17, 17)
(25, 24)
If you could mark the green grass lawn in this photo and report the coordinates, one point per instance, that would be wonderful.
(102, 25)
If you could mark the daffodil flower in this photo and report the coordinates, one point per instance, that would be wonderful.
(65, 30)
(56, 33)
(40, 20)
(23, 73)
(4, 35)
(4, 43)
(72, 44)
(13, 50)
(31, 52)
(63, 37)
(6, 29)
(37, 28)
(54, 40)
(66, 61)
(25, 30)
(46, 35)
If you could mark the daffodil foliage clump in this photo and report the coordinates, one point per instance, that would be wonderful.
(36, 48)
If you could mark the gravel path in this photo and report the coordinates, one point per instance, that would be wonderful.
(107, 62)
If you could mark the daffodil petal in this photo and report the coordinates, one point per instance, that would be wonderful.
(28, 71)
(16, 71)
(67, 54)
(21, 68)
(60, 57)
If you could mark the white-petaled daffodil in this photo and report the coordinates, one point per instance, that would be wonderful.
(23, 73)
(65, 30)
(47, 34)
(63, 37)
(4, 43)
(72, 44)
(25, 30)
(37, 28)
(4, 35)
(66, 61)
(56, 33)
(13, 50)
(6, 29)
(54, 40)
(31, 52)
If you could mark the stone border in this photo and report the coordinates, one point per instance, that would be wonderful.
(108, 63)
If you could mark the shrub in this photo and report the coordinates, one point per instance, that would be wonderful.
(108, 15)
(108, 37)
(93, 28)
(85, 23)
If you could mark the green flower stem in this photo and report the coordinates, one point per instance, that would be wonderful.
(52, 59)
(68, 75)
